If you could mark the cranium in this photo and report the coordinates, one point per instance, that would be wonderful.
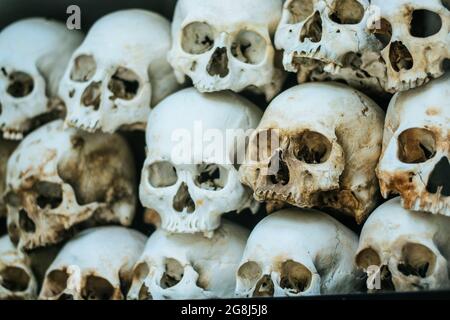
(189, 266)
(415, 158)
(317, 145)
(404, 250)
(95, 265)
(58, 180)
(33, 56)
(119, 72)
(191, 180)
(16, 278)
(224, 45)
(6, 148)
(296, 252)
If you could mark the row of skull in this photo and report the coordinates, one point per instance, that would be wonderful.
(291, 253)
(130, 60)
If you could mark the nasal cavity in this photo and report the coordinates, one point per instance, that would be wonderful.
(439, 180)
(218, 64)
(25, 222)
(312, 29)
(91, 95)
(400, 57)
(264, 287)
(278, 169)
(183, 200)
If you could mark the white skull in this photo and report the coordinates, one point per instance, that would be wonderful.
(57, 180)
(185, 178)
(317, 145)
(119, 72)
(16, 278)
(224, 45)
(296, 252)
(328, 39)
(189, 266)
(415, 158)
(403, 250)
(416, 40)
(6, 148)
(95, 265)
(33, 56)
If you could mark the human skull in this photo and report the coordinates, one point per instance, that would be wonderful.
(415, 36)
(6, 148)
(415, 157)
(224, 45)
(95, 265)
(317, 145)
(189, 266)
(409, 250)
(33, 56)
(328, 39)
(60, 180)
(16, 278)
(189, 175)
(119, 72)
(298, 252)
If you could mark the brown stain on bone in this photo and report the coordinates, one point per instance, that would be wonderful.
(433, 111)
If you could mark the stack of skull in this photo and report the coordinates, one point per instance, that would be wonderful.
(321, 153)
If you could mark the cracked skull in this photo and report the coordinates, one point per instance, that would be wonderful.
(6, 149)
(328, 40)
(189, 176)
(224, 45)
(60, 180)
(298, 252)
(119, 72)
(17, 281)
(404, 250)
(33, 56)
(415, 158)
(95, 265)
(309, 151)
(189, 266)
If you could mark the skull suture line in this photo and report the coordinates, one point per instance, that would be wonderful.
(328, 144)
(224, 45)
(58, 179)
(119, 72)
(409, 250)
(191, 192)
(33, 56)
(415, 158)
(189, 266)
(297, 252)
(95, 265)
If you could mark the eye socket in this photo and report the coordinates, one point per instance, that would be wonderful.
(446, 4)
(173, 274)
(249, 47)
(416, 145)
(312, 147)
(162, 174)
(124, 84)
(211, 176)
(20, 85)
(384, 32)
(418, 260)
(49, 194)
(84, 68)
(295, 277)
(139, 274)
(13, 199)
(367, 257)
(197, 38)
(55, 283)
(14, 279)
(250, 272)
(347, 12)
(97, 288)
(300, 10)
(425, 23)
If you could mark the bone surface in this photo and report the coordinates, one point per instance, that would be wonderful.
(185, 179)
(6, 149)
(119, 72)
(405, 250)
(317, 145)
(189, 266)
(95, 265)
(17, 281)
(415, 158)
(33, 56)
(58, 179)
(224, 45)
(298, 252)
